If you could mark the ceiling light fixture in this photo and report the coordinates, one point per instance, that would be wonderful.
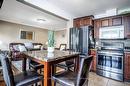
(41, 20)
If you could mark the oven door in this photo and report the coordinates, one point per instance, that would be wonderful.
(110, 62)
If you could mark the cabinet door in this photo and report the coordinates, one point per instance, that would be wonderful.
(93, 53)
(86, 21)
(127, 67)
(76, 22)
(117, 21)
(104, 22)
(97, 25)
(127, 25)
(82, 20)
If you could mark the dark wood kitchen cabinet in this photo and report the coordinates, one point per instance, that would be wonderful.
(76, 23)
(97, 25)
(127, 25)
(111, 21)
(93, 53)
(104, 22)
(107, 22)
(116, 21)
(83, 21)
(127, 66)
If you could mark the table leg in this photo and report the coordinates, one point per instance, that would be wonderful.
(76, 68)
(53, 72)
(24, 65)
(47, 74)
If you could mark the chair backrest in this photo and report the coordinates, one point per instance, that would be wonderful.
(37, 46)
(7, 71)
(15, 51)
(29, 45)
(62, 47)
(12, 48)
(83, 73)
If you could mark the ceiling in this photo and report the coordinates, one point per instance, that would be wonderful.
(55, 12)
(17, 12)
(79, 8)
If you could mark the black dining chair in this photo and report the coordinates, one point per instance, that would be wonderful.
(67, 65)
(22, 79)
(17, 55)
(35, 66)
(69, 78)
(6, 53)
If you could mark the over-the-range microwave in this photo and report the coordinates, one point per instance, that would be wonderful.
(113, 32)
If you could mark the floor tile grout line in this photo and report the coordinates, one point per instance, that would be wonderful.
(107, 82)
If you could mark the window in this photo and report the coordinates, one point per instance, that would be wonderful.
(27, 35)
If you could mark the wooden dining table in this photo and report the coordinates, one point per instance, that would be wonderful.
(50, 59)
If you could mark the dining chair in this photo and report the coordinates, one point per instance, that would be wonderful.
(5, 53)
(22, 79)
(17, 55)
(69, 78)
(62, 47)
(35, 66)
(34, 47)
(66, 64)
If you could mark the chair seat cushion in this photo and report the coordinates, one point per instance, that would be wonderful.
(66, 78)
(36, 65)
(27, 78)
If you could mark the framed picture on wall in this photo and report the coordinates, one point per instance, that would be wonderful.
(29, 35)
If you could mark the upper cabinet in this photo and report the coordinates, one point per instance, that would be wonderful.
(113, 21)
(126, 19)
(117, 21)
(97, 25)
(104, 22)
(76, 23)
(83, 21)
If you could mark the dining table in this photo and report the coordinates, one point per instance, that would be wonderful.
(49, 59)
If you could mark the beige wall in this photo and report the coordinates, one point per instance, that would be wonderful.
(9, 32)
(61, 37)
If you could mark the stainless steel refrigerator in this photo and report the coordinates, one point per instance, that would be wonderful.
(81, 39)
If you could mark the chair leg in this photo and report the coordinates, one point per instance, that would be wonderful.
(29, 66)
(40, 71)
(42, 83)
(54, 83)
(36, 84)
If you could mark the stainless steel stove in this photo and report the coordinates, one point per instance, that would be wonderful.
(110, 60)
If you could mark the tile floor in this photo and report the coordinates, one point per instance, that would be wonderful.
(96, 80)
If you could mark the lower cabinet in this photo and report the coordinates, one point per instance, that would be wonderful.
(127, 66)
(93, 53)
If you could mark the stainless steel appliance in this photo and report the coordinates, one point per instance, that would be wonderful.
(114, 32)
(1, 2)
(82, 39)
(110, 58)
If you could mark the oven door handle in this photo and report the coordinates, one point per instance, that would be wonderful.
(108, 54)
